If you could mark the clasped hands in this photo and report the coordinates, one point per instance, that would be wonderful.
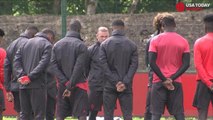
(24, 80)
(120, 86)
(168, 84)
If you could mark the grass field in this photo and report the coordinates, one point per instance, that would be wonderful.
(116, 118)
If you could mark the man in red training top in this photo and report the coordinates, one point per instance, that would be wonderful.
(2, 57)
(169, 58)
(203, 60)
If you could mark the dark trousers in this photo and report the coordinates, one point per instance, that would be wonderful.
(32, 101)
(203, 97)
(148, 114)
(16, 101)
(109, 100)
(51, 103)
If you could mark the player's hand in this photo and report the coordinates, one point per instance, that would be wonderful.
(24, 80)
(211, 87)
(168, 84)
(120, 86)
(66, 93)
(10, 97)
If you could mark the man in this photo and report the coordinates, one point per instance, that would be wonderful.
(51, 90)
(2, 58)
(119, 60)
(157, 25)
(203, 51)
(11, 84)
(96, 75)
(30, 63)
(169, 56)
(69, 58)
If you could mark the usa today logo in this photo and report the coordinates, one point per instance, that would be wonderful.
(180, 6)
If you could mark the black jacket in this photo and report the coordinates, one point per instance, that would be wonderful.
(69, 58)
(96, 74)
(50, 78)
(150, 74)
(32, 60)
(10, 79)
(119, 59)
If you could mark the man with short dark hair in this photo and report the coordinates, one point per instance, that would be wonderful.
(2, 58)
(119, 60)
(51, 91)
(203, 57)
(30, 63)
(11, 84)
(169, 58)
(69, 64)
(96, 76)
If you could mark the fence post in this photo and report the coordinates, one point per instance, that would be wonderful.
(63, 17)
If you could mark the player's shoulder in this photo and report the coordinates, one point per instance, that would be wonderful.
(200, 40)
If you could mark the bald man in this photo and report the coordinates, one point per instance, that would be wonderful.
(96, 75)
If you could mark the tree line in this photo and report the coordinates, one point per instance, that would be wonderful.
(81, 7)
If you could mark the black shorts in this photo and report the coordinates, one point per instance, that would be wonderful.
(162, 97)
(95, 100)
(17, 107)
(2, 102)
(203, 96)
(76, 105)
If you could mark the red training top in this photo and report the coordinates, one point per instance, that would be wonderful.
(2, 57)
(203, 58)
(169, 47)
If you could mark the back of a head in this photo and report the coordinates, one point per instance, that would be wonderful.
(168, 21)
(31, 31)
(2, 33)
(50, 34)
(208, 21)
(158, 19)
(48, 31)
(118, 24)
(75, 25)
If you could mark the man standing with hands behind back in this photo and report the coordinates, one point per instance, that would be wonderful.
(2, 58)
(203, 60)
(69, 63)
(169, 58)
(119, 60)
(30, 63)
(11, 84)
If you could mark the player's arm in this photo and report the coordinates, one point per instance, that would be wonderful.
(54, 69)
(198, 61)
(113, 77)
(3, 55)
(154, 66)
(79, 68)
(43, 63)
(7, 70)
(91, 52)
(147, 53)
(184, 66)
(132, 67)
(17, 64)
